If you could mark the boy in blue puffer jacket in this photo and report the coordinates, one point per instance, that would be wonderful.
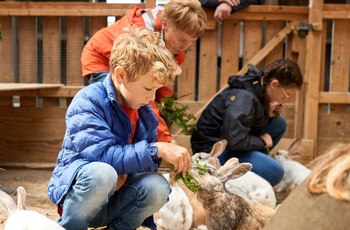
(105, 172)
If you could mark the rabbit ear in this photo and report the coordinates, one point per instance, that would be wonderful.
(218, 148)
(294, 146)
(232, 169)
(21, 202)
(7, 203)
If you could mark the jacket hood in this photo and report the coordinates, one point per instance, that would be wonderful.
(250, 81)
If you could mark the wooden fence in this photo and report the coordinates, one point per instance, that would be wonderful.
(42, 43)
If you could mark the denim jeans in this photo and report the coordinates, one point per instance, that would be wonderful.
(97, 77)
(93, 202)
(263, 165)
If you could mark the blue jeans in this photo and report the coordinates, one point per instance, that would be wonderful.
(97, 77)
(93, 202)
(263, 165)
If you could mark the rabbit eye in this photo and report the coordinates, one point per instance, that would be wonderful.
(210, 171)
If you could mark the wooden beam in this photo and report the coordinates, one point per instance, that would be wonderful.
(312, 73)
(64, 91)
(61, 9)
(334, 97)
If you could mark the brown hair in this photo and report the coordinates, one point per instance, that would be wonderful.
(187, 16)
(286, 71)
(139, 51)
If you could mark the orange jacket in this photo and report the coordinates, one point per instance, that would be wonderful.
(97, 51)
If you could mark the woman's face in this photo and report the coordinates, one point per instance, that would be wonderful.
(277, 93)
(175, 39)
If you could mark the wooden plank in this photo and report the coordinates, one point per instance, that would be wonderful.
(272, 28)
(66, 91)
(27, 49)
(252, 39)
(336, 11)
(186, 82)
(26, 86)
(312, 72)
(208, 65)
(334, 97)
(75, 44)
(332, 129)
(6, 49)
(97, 23)
(31, 134)
(62, 9)
(51, 49)
(340, 61)
(231, 31)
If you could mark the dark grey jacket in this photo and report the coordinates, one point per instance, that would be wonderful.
(236, 114)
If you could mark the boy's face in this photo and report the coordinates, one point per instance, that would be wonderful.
(175, 39)
(137, 93)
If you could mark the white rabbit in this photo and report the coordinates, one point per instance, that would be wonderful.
(21, 219)
(294, 172)
(249, 186)
(177, 212)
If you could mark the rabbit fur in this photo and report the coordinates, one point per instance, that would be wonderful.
(249, 186)
(177, 212)
(223, 209)
(294, 172)
(21, 219)
(198, 218)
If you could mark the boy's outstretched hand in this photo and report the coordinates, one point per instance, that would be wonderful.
(175, 155)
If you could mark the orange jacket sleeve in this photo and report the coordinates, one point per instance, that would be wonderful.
(163, 130)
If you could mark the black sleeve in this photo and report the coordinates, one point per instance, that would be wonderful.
(245, 4)
(212, 4)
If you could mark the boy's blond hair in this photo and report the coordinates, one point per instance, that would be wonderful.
(139, 51)
(187, 16)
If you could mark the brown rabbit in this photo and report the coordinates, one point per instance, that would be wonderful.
(225, 210)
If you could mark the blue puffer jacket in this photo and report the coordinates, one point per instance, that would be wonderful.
(98, 130)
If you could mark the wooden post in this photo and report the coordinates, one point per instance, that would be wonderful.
(313, 72)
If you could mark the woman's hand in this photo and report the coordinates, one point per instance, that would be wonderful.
(276, 107)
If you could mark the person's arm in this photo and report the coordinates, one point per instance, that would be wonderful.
(164, 134)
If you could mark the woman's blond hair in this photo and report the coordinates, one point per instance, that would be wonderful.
(187, 16)
(139, 51)
(330, 173)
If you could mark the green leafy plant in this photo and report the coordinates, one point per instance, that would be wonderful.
(190, 182)
(175, 113)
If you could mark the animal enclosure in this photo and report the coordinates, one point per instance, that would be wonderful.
(42, 44)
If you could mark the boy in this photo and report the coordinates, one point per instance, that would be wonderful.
(105, 170)
(179, 23)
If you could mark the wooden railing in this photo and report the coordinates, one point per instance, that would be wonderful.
(42, 43)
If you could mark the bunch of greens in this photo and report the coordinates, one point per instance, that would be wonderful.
(190, 182)
(175, 113)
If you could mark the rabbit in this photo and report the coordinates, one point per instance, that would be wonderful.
(225, 210)
(249, 186)
(19, 218)
(294, 172)
(177, 212)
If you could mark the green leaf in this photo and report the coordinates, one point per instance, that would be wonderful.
(175, 113)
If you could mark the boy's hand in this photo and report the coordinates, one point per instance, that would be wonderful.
(121, 181)
(175, 155)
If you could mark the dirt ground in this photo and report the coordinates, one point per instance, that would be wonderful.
(35, 182)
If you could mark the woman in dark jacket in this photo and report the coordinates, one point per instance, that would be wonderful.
(247, 115)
